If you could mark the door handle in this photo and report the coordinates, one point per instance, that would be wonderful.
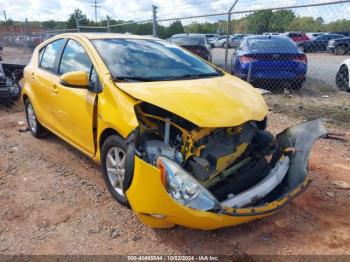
(54, 89)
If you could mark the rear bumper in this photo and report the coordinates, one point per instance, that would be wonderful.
(155, 208)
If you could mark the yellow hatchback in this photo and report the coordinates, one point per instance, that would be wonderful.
(179, 140)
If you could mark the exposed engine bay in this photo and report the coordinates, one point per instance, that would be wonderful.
(240, 166)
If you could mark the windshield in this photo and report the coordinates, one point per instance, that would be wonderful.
(150, 60)
(271, 44)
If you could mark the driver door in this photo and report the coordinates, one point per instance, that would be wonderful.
(75, 107)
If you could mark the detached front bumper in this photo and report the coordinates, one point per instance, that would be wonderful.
(155, 207)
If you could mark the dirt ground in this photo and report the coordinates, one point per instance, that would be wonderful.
(54, 201)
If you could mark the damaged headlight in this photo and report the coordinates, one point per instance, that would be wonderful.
(184, 189)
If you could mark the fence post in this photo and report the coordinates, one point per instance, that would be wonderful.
(77, 24)
(228, 33)
(108, 24)
(154, 10)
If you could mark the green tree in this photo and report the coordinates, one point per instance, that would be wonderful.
(305, 24)
(259, 22)
(175, 28)
(71, 23)
(280, 20)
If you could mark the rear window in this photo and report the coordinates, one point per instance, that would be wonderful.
(188, 40)
(49, 57)
(271, 44)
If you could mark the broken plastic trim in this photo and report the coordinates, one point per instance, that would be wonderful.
(301, 138)
(261, 189)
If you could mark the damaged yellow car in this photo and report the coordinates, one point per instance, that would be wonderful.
(179, 140)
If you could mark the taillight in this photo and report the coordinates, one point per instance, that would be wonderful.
(301, 59)
(246, 59)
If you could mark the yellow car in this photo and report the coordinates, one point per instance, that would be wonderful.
(179, 140)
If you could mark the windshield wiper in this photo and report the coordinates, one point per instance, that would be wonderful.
(193, 76)
(133, 78)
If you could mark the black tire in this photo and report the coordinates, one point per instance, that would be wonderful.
(342, 79)
(210, 58)
(13, 85)
(111, 142)
(295, 86)
(340, 50)
(38, 130)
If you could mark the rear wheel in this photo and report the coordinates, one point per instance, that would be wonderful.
(340, 50)
(113, 156)
(35, 127)
(296, 85)
(342, 79)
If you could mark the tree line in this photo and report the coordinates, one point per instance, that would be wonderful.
(255, 23)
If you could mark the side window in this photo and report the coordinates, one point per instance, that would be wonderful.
(74, 58)
(50, 54)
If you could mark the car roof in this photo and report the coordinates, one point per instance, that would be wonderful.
(203, 35)
(265, 37)
(93, 36)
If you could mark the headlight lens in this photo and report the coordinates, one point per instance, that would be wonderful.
(183, 188)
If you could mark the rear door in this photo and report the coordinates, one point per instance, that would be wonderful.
(42, 82)
(74, 107)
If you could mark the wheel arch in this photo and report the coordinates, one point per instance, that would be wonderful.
(105, 134)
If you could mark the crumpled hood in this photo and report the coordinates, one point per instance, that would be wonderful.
(209, 102)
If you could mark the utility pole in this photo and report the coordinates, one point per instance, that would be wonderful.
(95, 4)
(155, 31)
(228, 33)
(108, 24)
(7, 26)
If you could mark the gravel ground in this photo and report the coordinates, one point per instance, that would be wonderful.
(54, 201)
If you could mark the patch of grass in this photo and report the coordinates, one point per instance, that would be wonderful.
(334, 106)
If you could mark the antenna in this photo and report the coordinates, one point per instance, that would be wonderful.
(95, 4)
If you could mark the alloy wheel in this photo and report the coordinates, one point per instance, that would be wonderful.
(115, 165)
(31, 118)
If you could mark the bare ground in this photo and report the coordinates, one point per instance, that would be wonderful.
(53, 200)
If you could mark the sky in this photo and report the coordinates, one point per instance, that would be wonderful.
(138, 10)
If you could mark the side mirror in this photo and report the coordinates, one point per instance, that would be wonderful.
(77, 79)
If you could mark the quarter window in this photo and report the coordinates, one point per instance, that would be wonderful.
(74, 58)
(50, 55)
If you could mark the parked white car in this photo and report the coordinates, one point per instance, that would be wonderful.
(211, 37)
(219, 41)
(342, 77)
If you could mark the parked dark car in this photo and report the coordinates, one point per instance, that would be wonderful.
(270, 58)
(318, 44)
(196, 43)
(339, 46)
(10, 75)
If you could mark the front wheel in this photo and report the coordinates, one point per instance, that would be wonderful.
(113, 157)
(35, 127)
